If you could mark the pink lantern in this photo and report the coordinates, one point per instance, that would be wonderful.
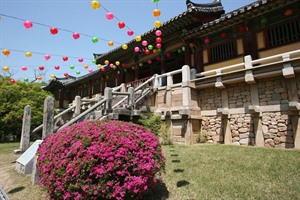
(109, 15)
(158, 33)
(47, 57)
(111, 65)
(90, 70)
(149, 62)
(136, 49)
(24, 68)
(130, 32)
(28, 24)
(76, 35)
(206, 41)
(144, 43)
(80, 59)
(12, 81)
(158, 45)
(56, 67)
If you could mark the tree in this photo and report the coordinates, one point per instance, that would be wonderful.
(13, 99)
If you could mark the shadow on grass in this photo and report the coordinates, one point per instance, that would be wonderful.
(178, 170)
(159, 192)
(17, 189)
(182, 183)
(174, 155)
(175, 161)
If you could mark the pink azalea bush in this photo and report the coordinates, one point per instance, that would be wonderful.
(100, 160)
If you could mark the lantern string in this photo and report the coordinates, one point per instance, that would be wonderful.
(63, 29)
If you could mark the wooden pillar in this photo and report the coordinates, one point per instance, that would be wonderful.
(187, 55)
(163, 68)
(61, 98)
(198, 57)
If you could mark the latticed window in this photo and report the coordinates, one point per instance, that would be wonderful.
(283, 33)
(223, 52)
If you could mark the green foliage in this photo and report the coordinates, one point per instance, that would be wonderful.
(164, 134)
(151, 122)
(13, 98)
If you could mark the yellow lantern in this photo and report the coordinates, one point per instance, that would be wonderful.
(110, 43)
(6, 68)
(156, 12)
(99, 66)
(124, 46)
(117, 63)
(28, 54)
(106, 62)
(52, 76)
(138, 38)
(86, 66)
(141, 64)
(157, 24)
(95, 5)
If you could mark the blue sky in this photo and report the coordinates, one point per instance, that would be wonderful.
(76, 16)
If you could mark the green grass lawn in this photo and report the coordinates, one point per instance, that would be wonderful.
(198, 172)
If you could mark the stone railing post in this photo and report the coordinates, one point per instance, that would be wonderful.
(108, 96)
(249, 78)
(25, 135)
(169, 91)
(48, 118)
(77, 103)
(156, 81)
(186, 90)
(131, 96)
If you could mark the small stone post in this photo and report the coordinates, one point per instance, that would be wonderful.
(131, 96)
(48, 118)
(25, 135)
(108, 96)
(77, 103)
(35, 175)
(169, 91)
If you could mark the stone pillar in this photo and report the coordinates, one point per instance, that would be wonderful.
(48, 118)
(25, 135)
(131, 96)
(225, 118)
(108, 96)
(35, 175)
(186, 90)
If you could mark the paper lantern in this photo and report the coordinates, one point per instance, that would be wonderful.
(76, 35)
(56, 67)
(168, 55)
(41, 68)
(158, 45)
(149, 62)
(99, 66)
(155, 51)
(12, 81)
(94, 39)
(90, 70)
(144, 43)
(264, 21)
(110, 43)
(157, 24)
(223, 35)
(158, 33)
(39, 78)
(242, 28)
(52, 76)
(5, 68)
(288, 12)
(95, 5)
(156, 12)
(53, 30)
(136, 49)
(80, 59)
(124, 46)
(24, 68)
(121, 25)
(85, 66)
(138, 38)
(159, 50)
(179, 51)
(147, 51)
(26, 79)
(28, 24)
(111, 65)
(72, 66)
(130, 32)
(206, 41)
(77, 72)
(106, 62)
(155, 1)
(102, 69)
(123, 64)
(158, 40)
(150, 47)
(109, 15)
(6, 52)
(141, 64)
(66, 75)
(28, 54)
(94, 61)
(65, 58)
(117, 63)
(47, 57)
